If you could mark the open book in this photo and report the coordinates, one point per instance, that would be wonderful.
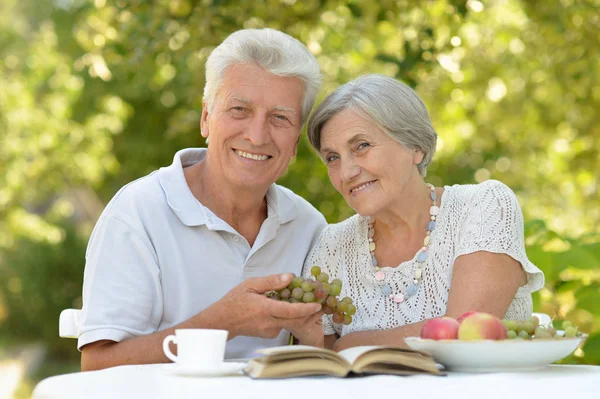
(300, 360)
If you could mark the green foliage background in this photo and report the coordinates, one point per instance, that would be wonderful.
(94, 94)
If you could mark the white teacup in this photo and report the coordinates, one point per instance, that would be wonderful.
(197, 347)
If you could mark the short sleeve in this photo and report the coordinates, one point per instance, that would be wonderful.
(121, 287)
(493, 222)
(324, 255)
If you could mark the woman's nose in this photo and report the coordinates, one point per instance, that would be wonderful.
(350, 170)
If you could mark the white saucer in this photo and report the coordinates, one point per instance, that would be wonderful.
(225, 368)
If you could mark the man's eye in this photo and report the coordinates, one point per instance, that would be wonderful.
(239, 109)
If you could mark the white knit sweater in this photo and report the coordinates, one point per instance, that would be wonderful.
(482, 217)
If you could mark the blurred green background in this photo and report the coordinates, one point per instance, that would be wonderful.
(94, 94)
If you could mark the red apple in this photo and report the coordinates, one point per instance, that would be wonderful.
(479, 326)
(440, 328)
(465, 315)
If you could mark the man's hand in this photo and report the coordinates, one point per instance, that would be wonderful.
(245, 310)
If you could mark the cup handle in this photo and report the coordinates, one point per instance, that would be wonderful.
(168, 353)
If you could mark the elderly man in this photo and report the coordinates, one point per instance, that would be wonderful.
(196, 244)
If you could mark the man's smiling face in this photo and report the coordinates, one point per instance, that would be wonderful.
(254, 126)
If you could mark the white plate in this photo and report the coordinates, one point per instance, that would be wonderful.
(225, 368)
(495, 356)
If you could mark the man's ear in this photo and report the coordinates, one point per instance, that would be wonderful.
(204, 120)
(418, 157)
(297, 143)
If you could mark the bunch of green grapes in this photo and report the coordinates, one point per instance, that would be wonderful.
(318, 289)
(531, 329)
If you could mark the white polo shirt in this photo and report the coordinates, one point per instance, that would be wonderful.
(157, 256)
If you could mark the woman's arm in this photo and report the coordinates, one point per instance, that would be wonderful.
(481, 281)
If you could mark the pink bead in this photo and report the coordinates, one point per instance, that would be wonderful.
(398, 298)
(379, 276)
(434, 210)
(424, 249)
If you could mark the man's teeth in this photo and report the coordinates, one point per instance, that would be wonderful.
(252, 156)
(362, 187)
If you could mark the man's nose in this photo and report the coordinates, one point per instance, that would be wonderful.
(257, 132)
(350, 170)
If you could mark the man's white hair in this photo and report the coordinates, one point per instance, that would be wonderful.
(272, 50)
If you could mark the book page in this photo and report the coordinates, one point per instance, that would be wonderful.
(351, 354)
(293, 348)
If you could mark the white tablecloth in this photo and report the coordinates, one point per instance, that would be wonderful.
(153, 381)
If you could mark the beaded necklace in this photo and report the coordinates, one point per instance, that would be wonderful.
(412, 289)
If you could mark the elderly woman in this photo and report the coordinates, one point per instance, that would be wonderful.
(413, 251)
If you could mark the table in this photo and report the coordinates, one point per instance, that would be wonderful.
(154, 381)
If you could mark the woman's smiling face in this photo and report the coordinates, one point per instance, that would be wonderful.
(368, 167)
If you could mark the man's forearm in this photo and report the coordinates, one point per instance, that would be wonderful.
(146, 349)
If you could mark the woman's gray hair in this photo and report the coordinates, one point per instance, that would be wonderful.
(392, 105)
(274, 51)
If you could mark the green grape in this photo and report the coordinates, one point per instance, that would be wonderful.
(510, 325)
(297, 281)
(535, 321)
(336, 281)
(338, 318)
(315, 271)
(523, 334)
(335, 290)
(348, 300)
(552, 331)
(570, 331)
(285, 293)
(320, 294)
(327, 309)
(347, 319)
(541, 332)
(351, 309)
(308, 297)
(290, 286)
(307, 286)
(317, 285)
(528, 327)
(520, 326)
(332, 301)
(511, 334)
(326, 287)
(297, 293)
(342, 307)
(294, 300)
(323, 277)
(566, 324)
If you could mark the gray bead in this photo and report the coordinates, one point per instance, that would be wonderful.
(386, 290)
(412, 290)
(373, 261)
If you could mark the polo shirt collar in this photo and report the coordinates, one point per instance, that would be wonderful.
(187, 207)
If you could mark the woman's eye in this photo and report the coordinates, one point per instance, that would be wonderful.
(330, 158)
(363, 145)
(239, 109)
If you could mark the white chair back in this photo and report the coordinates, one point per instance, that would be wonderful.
(68, 323)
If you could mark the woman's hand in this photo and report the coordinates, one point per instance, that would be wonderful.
(308, 331)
